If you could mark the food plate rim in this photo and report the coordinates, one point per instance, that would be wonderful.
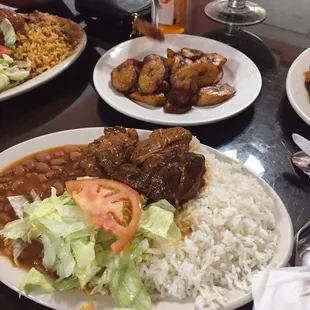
(94, 131)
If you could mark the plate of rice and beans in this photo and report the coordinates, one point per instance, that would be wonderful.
(35, 48)
(128, 218)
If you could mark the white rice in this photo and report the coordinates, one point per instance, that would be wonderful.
(233, 237)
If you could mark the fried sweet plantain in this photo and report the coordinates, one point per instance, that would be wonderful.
(155, 100)
(171, 53)
(182, 91)
(152, 75)
(175, 109)
(202, 73)
(149, 30)
(220, 75)
(165, 87)
(215, 58)
(191, 53)
(178, 62)
(125, 76)
(213, 95)
(154, 57)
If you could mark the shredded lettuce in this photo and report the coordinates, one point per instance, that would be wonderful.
(80, 253)
(157, 223)
(83, 253)
(49, 257)
(128, 290)
(67, 284)
(35, 280)
(18, 247)
(4, 81)
(86, 274)
(8, 32)
(17, 229)
(13, 73)
(163, 204)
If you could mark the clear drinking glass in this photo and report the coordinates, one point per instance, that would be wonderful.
(235, 14)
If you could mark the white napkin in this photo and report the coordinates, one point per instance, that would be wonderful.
(282, 289)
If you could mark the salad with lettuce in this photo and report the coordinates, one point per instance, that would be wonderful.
(82, 246)
(12, 73)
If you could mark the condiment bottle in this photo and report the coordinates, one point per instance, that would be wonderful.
(174, 16)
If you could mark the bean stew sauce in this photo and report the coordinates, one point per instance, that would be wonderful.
(33, 176)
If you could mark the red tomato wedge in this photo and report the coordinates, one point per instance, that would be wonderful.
(4, 50)
(109, 205)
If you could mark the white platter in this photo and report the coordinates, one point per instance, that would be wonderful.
(47, 75)
(239, 71)
(295, 86)
(11, 276)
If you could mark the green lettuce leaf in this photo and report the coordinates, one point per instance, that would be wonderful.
(128, 290)
(35, 280)
(102, 255)
(67, 284)
(49, 257)
(86, 274)
(84, 254)
(17, 229)
(65, 264)
(157, 223)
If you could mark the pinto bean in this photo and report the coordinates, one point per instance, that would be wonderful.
(57, 161)
(5, 179)
(59, 153)
(42, 178)
(19, 170)
(51, 174)
(44, 157)
(59, 187)
(16, 184)
(42, 167)
(4, 187)
(71, 148)
(75, 156)
(30, 164)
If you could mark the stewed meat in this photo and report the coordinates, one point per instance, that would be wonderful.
(174, 177)
(160, 167)
(172, 138)
(103, 156)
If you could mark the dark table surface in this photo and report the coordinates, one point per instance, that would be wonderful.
(260, 136)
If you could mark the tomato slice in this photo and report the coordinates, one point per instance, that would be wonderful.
(106, 203)
(4, 50)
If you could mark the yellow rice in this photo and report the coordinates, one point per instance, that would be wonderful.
(43, 42)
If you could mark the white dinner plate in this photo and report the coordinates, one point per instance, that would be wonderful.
(239, 71)
(47, 75)
(295, 86)
(74, 300)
